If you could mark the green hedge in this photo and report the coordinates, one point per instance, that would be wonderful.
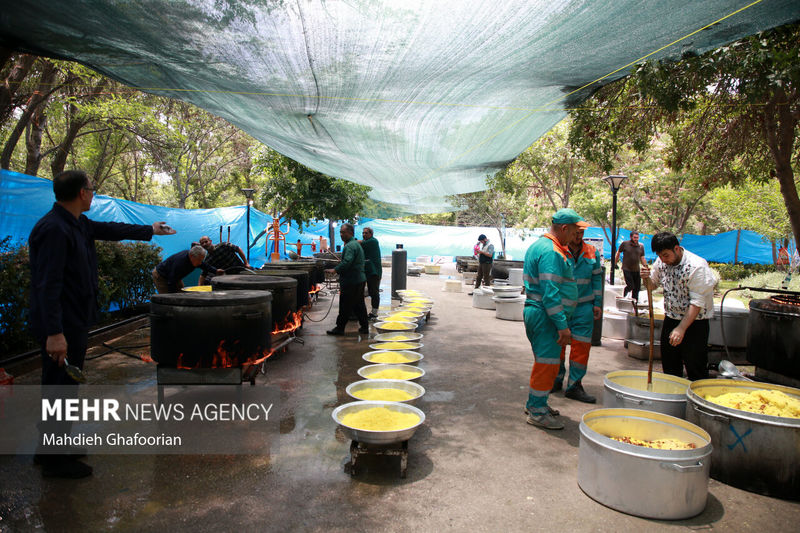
(737, 271)
(124, 279)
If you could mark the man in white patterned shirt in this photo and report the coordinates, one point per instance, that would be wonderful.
(688, 304)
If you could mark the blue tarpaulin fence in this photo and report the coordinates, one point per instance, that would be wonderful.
(24, 199)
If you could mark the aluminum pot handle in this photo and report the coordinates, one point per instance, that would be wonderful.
(637, 401)
(683, 468)
(720, 418)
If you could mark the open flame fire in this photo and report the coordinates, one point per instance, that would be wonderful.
(314, 290)
(290, 323)
(224, 358)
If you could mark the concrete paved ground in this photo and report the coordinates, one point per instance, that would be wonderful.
(474, 466)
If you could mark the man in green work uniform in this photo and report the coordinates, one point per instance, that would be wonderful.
(552, 294)
(372, 268)
(351, 283)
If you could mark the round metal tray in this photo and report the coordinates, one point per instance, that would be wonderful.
(413, 346)
(409, 386)
(368, 370)
(377, 437)
(416, 356)
(385, 337)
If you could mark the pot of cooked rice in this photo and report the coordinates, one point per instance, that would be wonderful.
(644, 463)
(389, 371)
(375, 422)
(755, 428)
(627, 389)
(393, 357)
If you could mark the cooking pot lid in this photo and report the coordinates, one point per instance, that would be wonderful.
(250, 282)
(775, 307)
(281, 272)
(212, 299)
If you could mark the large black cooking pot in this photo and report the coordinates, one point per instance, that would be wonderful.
(302, 276)
(314, 267)
(773, 337)
(500, 267)
(284, 291)
(209, 329)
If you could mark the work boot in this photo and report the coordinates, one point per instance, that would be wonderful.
(554, 412)
(546, 421)
(364, 330)
(65, 466)
(576, 392)
(557, 386)
(335, 331)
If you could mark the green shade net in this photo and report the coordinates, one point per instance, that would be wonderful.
(417, 99)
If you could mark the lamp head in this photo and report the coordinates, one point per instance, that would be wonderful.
(615, 181)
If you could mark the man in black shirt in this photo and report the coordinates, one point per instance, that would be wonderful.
(64, 287)
(632, 258)
(168, 274)
(225, 256)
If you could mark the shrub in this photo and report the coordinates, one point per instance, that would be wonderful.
(771, 280)
(737, 271)
(124, 279)
(15, 282)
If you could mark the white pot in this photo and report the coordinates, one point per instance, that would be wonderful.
(509, 308)
(482, 299)
(515, 276)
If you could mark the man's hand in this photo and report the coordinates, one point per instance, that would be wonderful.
(247, 265)
(330, 270)
(676, 336)
(564, 337)
(161, 228)
(597, 312)
(645, 272)
(220, 272)
(56, 347)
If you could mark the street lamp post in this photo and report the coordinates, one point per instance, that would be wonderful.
(248, 193)
(614, 181)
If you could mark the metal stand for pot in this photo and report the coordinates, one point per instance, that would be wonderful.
(358, 449)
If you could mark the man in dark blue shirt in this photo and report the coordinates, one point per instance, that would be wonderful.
(168, 274)
(64, 286)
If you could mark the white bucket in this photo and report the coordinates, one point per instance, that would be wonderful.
(509, 308)
(515, 276)
(452, 285)
(482, 299)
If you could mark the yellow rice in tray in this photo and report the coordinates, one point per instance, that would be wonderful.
(404, 314)
(659, 444)
(397, 318)
(394, 373)
(397, 325)
(380, 419)
(390, 358)
(393, 345)
(383, 395)
(762, 401)
(401, 337)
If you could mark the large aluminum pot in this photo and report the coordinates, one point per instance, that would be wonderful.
(628, 389)
(754, 452)
(662, 484)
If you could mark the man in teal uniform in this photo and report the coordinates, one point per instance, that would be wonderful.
(551, 298)
(589, 278)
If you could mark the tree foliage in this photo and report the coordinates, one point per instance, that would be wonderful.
(732, 112)
(293, 192)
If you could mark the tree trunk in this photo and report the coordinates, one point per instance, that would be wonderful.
(12, 84)
(33, 141)
(37, 100)
(779, 128)
(60, 159)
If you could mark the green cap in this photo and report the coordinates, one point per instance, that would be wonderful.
(566, 216)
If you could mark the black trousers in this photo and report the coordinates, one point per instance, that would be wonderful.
(351, 300)
(373, 289)
(484, 273)
(692, 352)
(633, 283)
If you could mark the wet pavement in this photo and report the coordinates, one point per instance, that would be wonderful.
(475, 465)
